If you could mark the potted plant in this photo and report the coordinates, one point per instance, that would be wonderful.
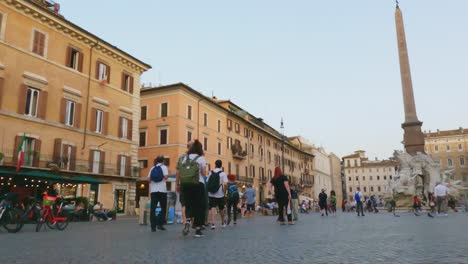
(112, 214)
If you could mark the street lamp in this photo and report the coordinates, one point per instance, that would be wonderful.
(282, 145)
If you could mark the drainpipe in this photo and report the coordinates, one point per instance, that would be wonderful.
(87, 93)
(198, 117)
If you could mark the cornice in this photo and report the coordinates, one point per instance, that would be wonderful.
(75, 32)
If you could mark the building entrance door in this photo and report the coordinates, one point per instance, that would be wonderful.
(120, 200)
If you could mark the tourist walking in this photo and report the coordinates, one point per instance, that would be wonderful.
(343, 205)
(323, 202)
(416, 205)
(333, 202)
(282, 195)
(441, 193)
(216, 185)
(189, 181)
(249, 195)
(158, 176)
(232, 198)
(358, 199)
(295, 202)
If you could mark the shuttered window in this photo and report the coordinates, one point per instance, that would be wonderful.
(142, 138)
(99, 119)
(127, 83)
(32, 102)
(70, 113)
(39, 41)
(144, 110)
(164, 110)
(102, 72)
(163, 136)
(74, 59)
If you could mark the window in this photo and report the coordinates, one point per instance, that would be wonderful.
(246, 171)
(363, 178)
(74, 59)
(436, 148)
(237, 128)
(29, 149)
(229, 142)
(378, 177)
(378, 188)
(164, 110)
(39, 43)
(102, 72)
(65, 157)
(385, 177)
(189, 136)
(357, 178)
(462, 161)
(350, 189)
(70, 113)
(219, 125)
(124, 127)
(123, 165)
(355, 163)
(372, 188)
(99, 118)
(348, 163)
(246, 132)
(163, 136)
(365, 189)
(189, 112)
(1, 25)
(205, 144)
(205, 119)
(144, 110)
(349, 179)
(229, 124)
(447, 148)
(32, 101)
(390, 177)
(460, 148)
(449, 162)
(370, 178)
(143, 164)
(219, 148)
(229, 167)
(96, 161)
(127, 83)
(142, 138)
(252, 150)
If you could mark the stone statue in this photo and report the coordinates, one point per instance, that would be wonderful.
(418, 175)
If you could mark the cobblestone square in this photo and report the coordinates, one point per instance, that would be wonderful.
(345, 238)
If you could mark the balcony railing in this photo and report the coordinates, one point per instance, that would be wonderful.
(64, 164)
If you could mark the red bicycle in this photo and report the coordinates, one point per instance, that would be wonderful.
(52, 217)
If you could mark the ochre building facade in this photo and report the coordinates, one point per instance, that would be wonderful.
(75, 97)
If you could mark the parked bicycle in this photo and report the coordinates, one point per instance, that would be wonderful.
(10, 216)
(52, 214)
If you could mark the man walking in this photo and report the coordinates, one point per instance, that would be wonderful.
(441, 194)
(250, 196)
(216, 185)
(295, 201)
(158, 176)
(358, 199)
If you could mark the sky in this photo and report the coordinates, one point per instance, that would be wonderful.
(329, 68)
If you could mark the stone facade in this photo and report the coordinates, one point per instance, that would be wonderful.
(68, 91)
(373, 177)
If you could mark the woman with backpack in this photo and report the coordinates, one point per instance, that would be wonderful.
(190, 182)
(282, 195)
(232, 198)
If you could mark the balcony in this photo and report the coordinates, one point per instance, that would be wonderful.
(237, 152)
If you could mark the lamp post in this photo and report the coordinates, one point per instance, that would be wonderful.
(282, 145)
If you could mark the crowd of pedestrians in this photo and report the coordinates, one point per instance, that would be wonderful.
(205, 195)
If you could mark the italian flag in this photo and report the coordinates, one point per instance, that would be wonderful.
(21, 153)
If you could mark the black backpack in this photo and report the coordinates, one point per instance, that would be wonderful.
(213, 182)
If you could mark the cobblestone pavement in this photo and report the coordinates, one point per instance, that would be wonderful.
(345, 238)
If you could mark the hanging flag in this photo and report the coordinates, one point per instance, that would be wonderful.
(21, 153)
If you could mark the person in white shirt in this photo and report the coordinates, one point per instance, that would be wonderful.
(216, 199)
(441, 193)
(158, 192)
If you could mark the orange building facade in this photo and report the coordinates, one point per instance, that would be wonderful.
(174, 114)
(74, 96)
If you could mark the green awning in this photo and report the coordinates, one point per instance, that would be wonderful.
(86, 179)
(42, 175)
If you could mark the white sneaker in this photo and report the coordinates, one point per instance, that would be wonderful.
(223, 225)
(213, 226)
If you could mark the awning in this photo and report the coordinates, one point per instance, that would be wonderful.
(86, 179)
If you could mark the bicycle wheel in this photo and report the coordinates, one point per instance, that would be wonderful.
(51, 225)
(12, 220)
(40, 222)
(61, 225)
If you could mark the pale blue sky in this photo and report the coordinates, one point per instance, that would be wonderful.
(330, 67)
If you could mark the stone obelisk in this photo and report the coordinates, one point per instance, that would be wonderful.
(413, 138)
